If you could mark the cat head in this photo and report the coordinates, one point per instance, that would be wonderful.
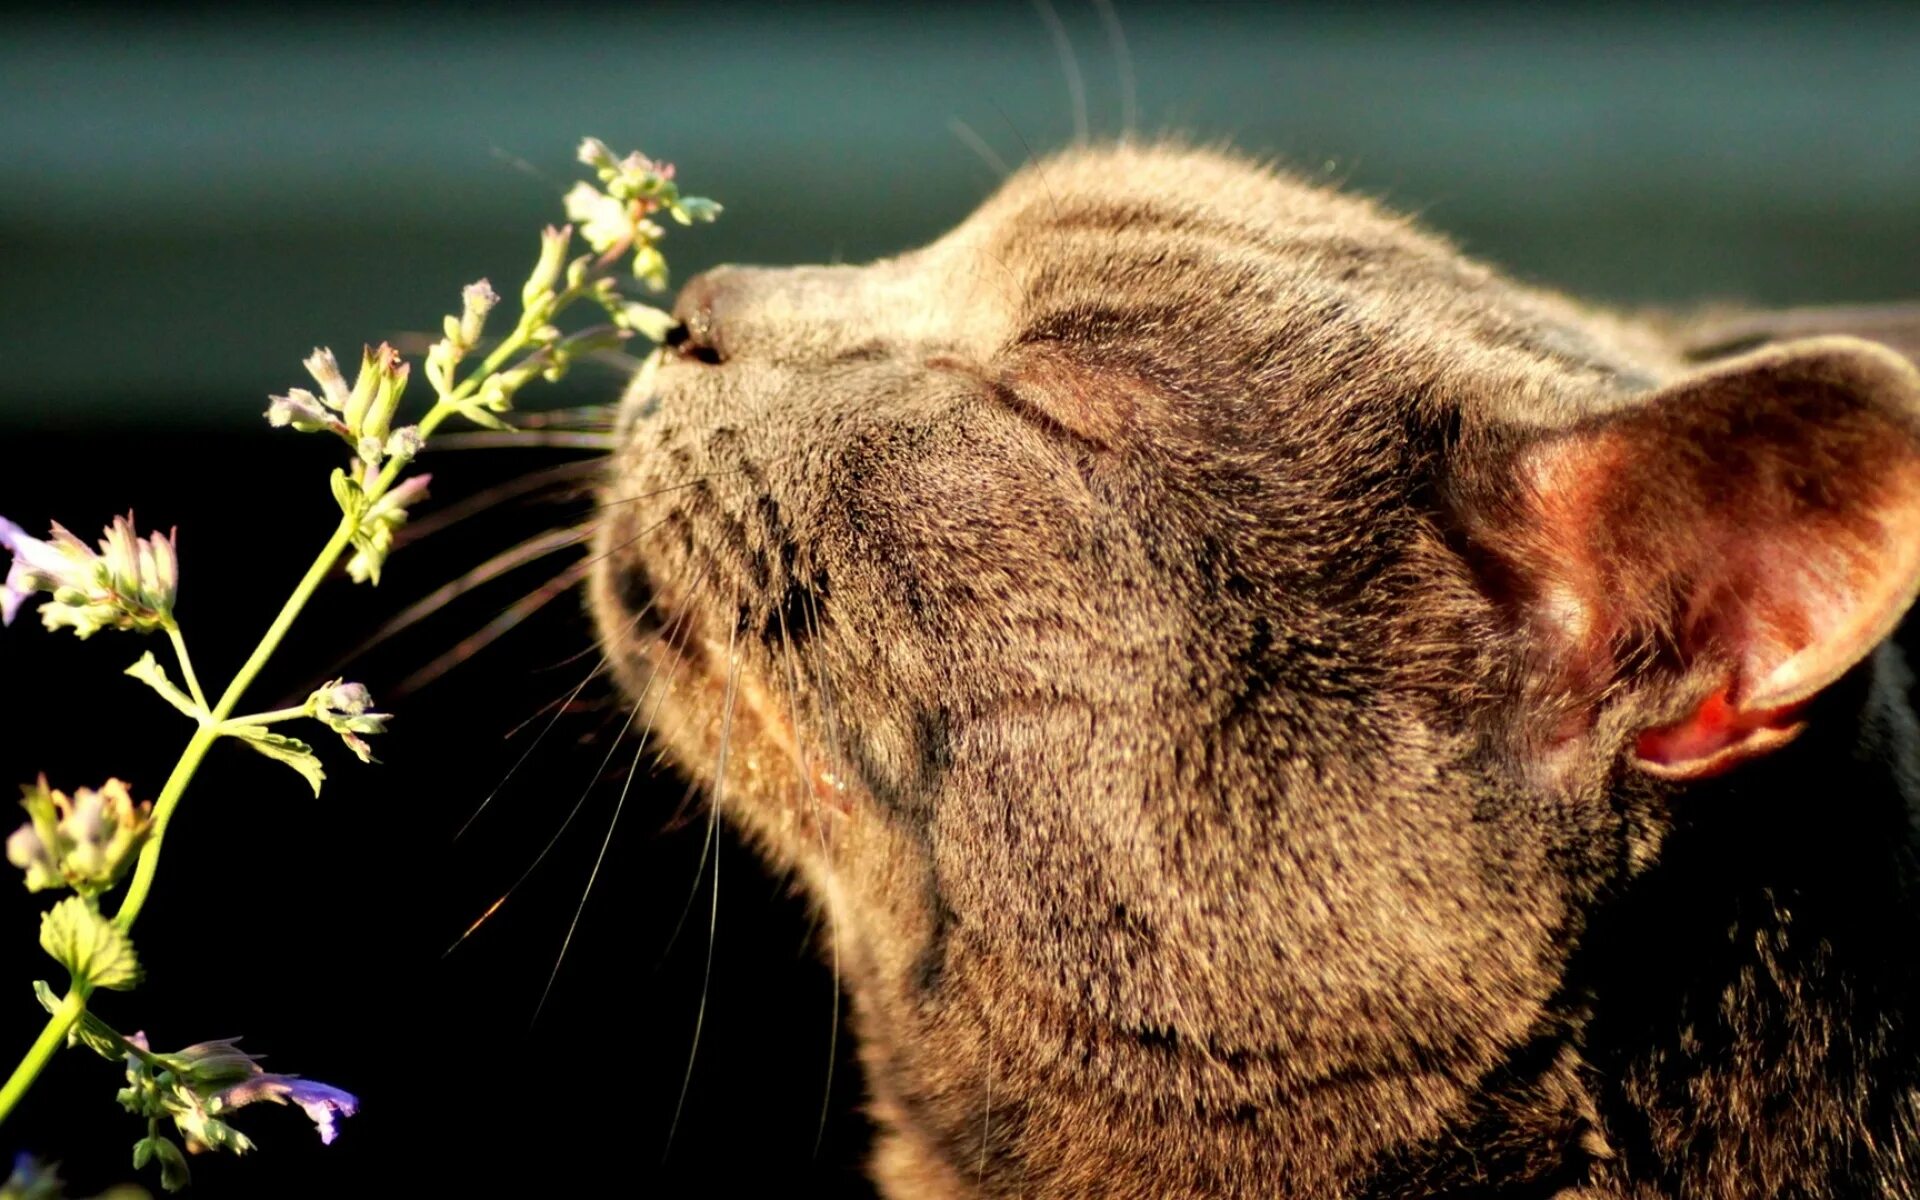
(1209, 647)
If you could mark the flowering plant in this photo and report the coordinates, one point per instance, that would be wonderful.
(87, 843)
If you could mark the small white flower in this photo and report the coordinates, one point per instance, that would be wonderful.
(604, 221)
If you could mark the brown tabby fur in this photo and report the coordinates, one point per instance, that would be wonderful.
(1142, 620)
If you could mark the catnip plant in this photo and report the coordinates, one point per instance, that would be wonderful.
(87, 844)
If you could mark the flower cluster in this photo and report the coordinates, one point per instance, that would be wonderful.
(615, 219)
(361, 415)
(197, 1087)
(88, 841)
(129, 583)
(84, 842)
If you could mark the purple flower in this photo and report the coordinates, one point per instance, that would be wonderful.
(322, 1103)
(41, 566)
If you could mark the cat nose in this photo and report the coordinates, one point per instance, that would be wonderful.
(696, 330)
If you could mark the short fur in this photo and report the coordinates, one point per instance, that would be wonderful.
(1210, 650)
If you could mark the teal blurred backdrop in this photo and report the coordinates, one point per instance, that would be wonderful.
(192, 201)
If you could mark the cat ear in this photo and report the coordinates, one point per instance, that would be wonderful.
(1741, 537)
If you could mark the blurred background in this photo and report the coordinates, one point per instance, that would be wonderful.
(191, 199)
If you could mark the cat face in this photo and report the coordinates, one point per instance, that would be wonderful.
(1135, 618)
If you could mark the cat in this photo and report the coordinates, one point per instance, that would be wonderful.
(1269, 707)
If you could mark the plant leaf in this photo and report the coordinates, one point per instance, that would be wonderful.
(90, 947)
(291, 751)
(149, 671)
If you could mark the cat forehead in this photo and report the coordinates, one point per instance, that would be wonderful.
(1155, 251)
(1177, 195)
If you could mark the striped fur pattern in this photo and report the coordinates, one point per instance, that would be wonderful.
(1130, 619)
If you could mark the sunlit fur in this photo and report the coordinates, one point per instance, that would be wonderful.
(1134, 620)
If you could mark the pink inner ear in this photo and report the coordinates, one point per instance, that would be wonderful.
(1834, 593)
(1769, 555)
(1713, 737)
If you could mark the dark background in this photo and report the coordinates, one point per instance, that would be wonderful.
(189, 202)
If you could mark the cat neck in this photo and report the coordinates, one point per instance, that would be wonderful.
(1752, 997)
(1739, 1020)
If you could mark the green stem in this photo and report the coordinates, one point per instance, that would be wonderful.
(51, 1038)
(55, 1031)
(197, 748)
(53, 1035)
(266, 718)
(186, 665)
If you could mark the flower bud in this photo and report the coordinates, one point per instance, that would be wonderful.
(302, 410)
(553, 256)
(391, 384)
(345, 708)
(405, 442)
(650, 267)
(594, 153)
(477, 300)
(374, 539)
(325, 370)
(644, 319)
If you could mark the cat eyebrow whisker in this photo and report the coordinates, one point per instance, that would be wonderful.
(974, 142)
(1069, 66)
(1123, 65)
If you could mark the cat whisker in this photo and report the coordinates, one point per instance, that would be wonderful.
(986, 1124)
(804, 785)
(565, 700)
(504, 563)
(489, 500)
(713, 917)
(583, 417)
(665, 489)
(593, 875)
(495, 629)
(572, 813)
(502, 439)
(558, 706)
(565, 824)
(524, 167)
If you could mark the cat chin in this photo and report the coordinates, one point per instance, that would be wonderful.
(713, 717)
